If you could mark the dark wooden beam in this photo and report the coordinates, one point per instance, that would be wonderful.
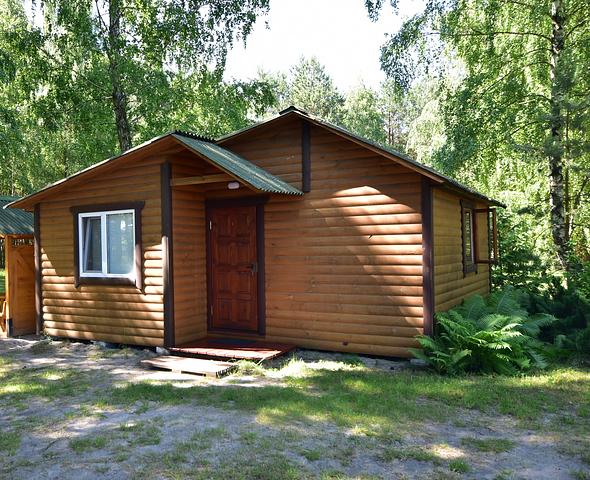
(38, 272)
(200, 179)
(167, 254)
(261, 278)
(305, 157)
(427, 257)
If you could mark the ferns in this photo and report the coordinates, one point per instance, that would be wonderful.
(491, 335)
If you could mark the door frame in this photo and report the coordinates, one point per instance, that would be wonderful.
(257, 202)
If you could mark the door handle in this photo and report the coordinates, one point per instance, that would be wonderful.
(254, 267)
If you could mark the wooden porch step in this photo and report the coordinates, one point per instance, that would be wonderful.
(197, 366)
(233, 349)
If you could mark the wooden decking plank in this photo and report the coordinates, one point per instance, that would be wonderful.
(241, 350)
(198, 366)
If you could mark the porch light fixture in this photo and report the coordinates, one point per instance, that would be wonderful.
(233, 185)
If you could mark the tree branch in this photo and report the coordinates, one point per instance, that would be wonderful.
(487, 34)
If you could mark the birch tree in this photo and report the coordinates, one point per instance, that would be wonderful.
(525, 90)
(141, 43)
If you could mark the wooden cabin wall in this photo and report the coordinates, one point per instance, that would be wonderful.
(275, 149)
(118, 314)
(344, 262)
(451, 285)
(189, 254)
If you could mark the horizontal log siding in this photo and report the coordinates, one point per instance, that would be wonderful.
(189, 269)
(344, 262)
(277, 150)
(451, 286)
(117, 314)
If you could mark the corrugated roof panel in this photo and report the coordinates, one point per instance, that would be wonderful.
(14, 221)
(238, 166)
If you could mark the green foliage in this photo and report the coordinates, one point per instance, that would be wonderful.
(491, 335)
(459, 466)
(572, 331)
(580, 277)
(516, 110)
(523, 263)
(57, 74)
(362, 114)
(312, 90)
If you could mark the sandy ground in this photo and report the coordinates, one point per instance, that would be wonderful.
(63, 439)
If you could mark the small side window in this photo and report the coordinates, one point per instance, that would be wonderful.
(468, 237)
(107, 244)
(108, 248)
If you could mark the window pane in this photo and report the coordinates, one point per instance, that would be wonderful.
(120, 243)
(468, 234)
(91, 245)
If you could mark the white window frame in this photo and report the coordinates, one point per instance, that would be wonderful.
(103, 244)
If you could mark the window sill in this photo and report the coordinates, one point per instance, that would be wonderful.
(115, 281)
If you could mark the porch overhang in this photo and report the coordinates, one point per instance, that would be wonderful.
(235, 166)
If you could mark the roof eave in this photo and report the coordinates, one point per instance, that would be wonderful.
(29, 201)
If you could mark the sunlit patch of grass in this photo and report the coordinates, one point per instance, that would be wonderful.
(141, 433)
(20, 384)
(346, 395)
(399, 452)
(495, 445)
(248, 367)
(577, 447)
(240, 465)
(459, 466)
(312, 454)
(337, 475)
(86, 444)
(9, 442)
(204, 438)
(580, 474)
(446, 452)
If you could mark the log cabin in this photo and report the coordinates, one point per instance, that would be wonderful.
(293, 230)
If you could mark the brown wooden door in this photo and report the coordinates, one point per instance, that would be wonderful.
(233, 268)
(20, 268)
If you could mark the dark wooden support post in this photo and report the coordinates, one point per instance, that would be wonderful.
(427, 257)
(167, 254)
(261, 287)
(305, 157)
(38, 269)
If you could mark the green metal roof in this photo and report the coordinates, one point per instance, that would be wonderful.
(14, 221)
(237, 166)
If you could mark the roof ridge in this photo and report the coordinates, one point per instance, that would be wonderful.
(196, 136)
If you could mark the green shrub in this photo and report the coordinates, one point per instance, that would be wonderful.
(571, 332)
(491, 335)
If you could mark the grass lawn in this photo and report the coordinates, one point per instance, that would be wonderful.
(324, 419)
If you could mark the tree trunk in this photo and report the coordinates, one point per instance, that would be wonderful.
(559, 229)
(118, 95)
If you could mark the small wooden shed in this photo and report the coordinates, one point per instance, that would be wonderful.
(17, 301)
(293, 231)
